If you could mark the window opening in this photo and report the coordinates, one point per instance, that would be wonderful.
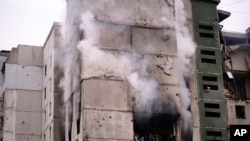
(212, 105)
(208, 52)
(45, 93)
(206, 27)
(206, 60)
(210, 87)
(206, 35)
(45, 70)
(240, 112)
(214, 133)
(209, 78)
(212, 114)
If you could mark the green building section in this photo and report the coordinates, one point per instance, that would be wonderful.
(212, 104)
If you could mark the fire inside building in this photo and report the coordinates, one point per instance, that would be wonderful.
(134, 70)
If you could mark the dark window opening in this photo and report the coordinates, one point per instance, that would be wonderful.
(50, 108)
(70, 118)
(50, 132)
(210, 87)
(240, 112)
(45, 93)
(209, 78)
(214, 133)
(212, 114)
(214, 140)
(241, 87)
(78, 121)
(206, 60)
(1, 123)
(159, 127)
(45, 70)
(207, 35)
(206, 27)
(44, 137)
(212, 105)
(69, 135)
(208, 52)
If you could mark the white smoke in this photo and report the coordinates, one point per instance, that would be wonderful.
(132, 67)
(125, 66)
(186, 48)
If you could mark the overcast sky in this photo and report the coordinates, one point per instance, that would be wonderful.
(29, 21)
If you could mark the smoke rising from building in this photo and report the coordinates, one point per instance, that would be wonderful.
(130, 66)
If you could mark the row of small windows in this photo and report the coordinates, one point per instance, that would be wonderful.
(45, 89)
(239, 111)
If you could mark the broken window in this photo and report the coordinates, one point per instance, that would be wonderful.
(241, 88)
(159, 127)
(240, 112)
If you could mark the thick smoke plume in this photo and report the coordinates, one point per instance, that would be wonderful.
(132, 67)
(126, 66)
(186, 48)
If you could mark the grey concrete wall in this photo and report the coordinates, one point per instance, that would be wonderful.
(108, 125)
(23, 77)
(13, 57)
(106, 95)
(30, 55)
(27, 138)
(147, 13)
(22, 115)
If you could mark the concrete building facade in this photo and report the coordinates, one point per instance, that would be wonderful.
(52, 124)
(119, 74)
(22, 93)
(100, 103)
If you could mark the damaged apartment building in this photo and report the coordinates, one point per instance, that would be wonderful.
(134, 70)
